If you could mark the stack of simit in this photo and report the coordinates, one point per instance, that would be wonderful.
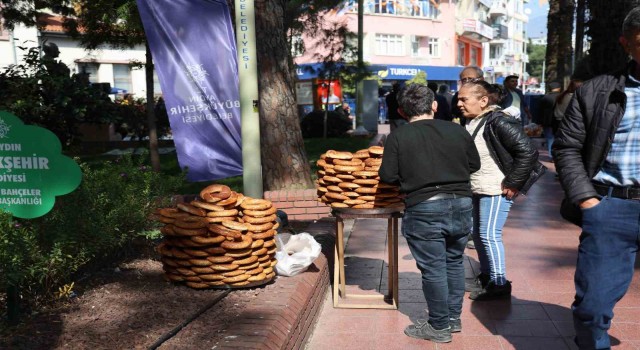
(222, 239)
(350, 180)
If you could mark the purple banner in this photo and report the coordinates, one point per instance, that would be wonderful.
(194, 51)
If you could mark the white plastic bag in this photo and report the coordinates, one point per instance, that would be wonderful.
(295, 253)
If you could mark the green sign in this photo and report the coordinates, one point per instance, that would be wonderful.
(33, 170)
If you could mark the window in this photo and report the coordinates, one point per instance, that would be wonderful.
(495, 51)
(427, 9)
(473, 61)
(460, 57)
(434, 47)
(415, 46)
(297, 45)
(91, 69)
(122, 76)
(389, 45)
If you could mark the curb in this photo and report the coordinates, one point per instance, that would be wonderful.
(289, 307)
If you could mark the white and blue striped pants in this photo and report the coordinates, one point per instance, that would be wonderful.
(489, 216)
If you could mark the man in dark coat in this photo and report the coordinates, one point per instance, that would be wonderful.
(545, 112)
(597, 155)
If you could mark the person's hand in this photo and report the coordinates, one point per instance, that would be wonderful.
(509, 193)
(589, 203)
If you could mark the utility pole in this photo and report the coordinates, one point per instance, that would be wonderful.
(359, 85)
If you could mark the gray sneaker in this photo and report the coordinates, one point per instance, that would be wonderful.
(423, 330)
(456, 325)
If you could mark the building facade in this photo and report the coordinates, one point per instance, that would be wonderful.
(436, 36)
(400, 39)
(117, 67)
(506, 53)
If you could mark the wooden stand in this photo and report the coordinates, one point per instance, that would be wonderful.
(339, 278)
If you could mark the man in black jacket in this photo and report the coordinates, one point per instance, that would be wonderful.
(432, 161)
(395, 119)
(597, 155)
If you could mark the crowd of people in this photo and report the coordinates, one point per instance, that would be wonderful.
(592, 129)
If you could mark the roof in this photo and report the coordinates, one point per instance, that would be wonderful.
(50, 23)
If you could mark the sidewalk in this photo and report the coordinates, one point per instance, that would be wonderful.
(541, 254)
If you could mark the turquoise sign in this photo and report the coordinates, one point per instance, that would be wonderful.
(33, 170)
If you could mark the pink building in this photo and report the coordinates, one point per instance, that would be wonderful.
(401, 37)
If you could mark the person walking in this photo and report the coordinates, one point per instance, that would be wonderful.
(597, 155)
(467, 74)
(515, 98)
(395, 119)
(562, 102)
(507, 160)
(442, 112)
(437, 218)
(546, 112)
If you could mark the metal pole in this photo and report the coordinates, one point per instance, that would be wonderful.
(249, 104)
(359, 85)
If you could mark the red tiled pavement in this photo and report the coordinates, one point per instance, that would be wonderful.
(541, 254)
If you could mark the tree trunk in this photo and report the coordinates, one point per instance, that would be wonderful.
(559, 29)
(284, 161)
(579, 47)
(604, 28)
(151, 115)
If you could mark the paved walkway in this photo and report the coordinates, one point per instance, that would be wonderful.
(541, 254)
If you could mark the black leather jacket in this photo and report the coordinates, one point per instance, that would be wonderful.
(584, 137)
(510, 147)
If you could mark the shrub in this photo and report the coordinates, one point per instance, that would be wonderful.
(99, 220)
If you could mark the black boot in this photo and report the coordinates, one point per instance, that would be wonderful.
(478, 283)
(492, 292)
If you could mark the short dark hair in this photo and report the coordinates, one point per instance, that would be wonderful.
(415, 99)
(512, 76)
(631, 22)
(433, 86)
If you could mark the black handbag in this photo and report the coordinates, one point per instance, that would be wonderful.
(536, 173)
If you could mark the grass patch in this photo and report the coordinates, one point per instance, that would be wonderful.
(313, 146)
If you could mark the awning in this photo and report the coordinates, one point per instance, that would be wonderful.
(390, 71)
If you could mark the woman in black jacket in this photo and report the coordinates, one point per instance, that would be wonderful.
(507, 158)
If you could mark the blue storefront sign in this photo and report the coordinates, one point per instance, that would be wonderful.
(389, 72)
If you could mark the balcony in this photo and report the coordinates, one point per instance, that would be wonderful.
(476, 30)
(498, 8)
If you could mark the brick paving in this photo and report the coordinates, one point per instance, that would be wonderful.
(540, 254)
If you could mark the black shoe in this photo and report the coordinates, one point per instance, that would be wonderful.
(477, 284)
(492, 292)
(455, 324)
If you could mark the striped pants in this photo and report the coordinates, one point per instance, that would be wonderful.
(489, 215)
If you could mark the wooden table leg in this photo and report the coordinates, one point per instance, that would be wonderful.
(390, 280)
(395, 261)
(336, 263)
(340, 244)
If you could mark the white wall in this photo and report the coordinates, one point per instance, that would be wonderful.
(71, 52)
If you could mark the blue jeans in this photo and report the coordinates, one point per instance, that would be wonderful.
(606, 256)
(489, 215)
(436, 232)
